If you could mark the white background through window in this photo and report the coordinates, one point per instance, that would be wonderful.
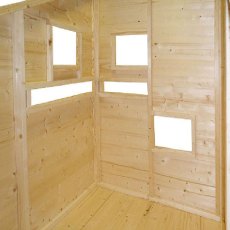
(64, 46)
(7, 2)
(132, 50)
(126, 87)
(173, 133)
(43, 95)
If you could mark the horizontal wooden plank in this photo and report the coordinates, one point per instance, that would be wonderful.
(137, 159)
(124, 171)
(134, 141)
(124, 125)
(194, 195)
(130, 184)
(191, 170)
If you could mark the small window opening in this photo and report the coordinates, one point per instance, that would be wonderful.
(43, 95)
(8, 2)
(126, 87)
(64, 47)
(173, 133)
(132, 50)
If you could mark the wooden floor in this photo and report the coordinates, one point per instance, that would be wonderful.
(104, 209)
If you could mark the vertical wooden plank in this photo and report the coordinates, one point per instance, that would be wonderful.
(150, 101)
(28, 98)
(227, 48)
(20, 120)
(79, 52)
(219, 97)
(96, 91)
(49, 53)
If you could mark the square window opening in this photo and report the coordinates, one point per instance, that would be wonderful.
(173, 133)
(131, 50)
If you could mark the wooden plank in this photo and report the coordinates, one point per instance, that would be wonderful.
(119, 18)
(20, 121)
(126, 185)
(133, 141)
(198, 196)
(134, 126)
(49, 49)
(21, 5)
(207, 224)
(104, 209)
(227, 47)
(220, 110)
(124, 171)
(69, 209)
(96, 90)
(151, 136)
(187, 169)
(117, 205)
(60, 148)
(36, 42)
(132, 158)
(78, 19)
(85, 210)
(8, 180)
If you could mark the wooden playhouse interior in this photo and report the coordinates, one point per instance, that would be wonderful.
(90, 161)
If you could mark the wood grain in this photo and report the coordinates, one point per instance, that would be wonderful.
(60, 148)
(113, 210)
(8, 183)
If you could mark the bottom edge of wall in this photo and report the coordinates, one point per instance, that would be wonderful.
(164, 202)
(92, 187)
(70, 207)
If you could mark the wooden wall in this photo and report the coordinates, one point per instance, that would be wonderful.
(37, 42)
(117, 17)
(60, 151)
(8, 186)
(124, 143)
(124, 120)
(60, 134)
(184, 82)
(35, 48)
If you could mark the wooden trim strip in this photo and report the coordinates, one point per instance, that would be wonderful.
(219, 121)
(96, 90)
(186, 208)
(150, 99)
(21, 6)
(20, 121)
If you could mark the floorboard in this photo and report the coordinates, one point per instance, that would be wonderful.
(104, 209)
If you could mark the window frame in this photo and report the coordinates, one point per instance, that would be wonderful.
(114, 66)
(46, 85)
(51, 68)
(193, 129)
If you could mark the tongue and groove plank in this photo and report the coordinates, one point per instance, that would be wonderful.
(104, 209)
(81, 215)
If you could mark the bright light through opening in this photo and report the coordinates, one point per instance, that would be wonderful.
(64, 46)
(8, 2)
(132, 50)
(43, 95)
(126, 87)
(173, 133)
